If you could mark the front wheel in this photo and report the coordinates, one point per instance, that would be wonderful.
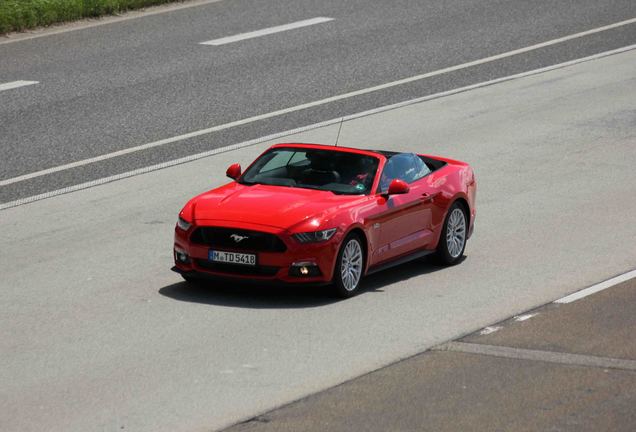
(349, 267)
(452, 241)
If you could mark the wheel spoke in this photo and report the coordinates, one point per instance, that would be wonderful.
(351, 265)
(456, 232)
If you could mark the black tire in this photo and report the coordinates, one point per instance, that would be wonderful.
(449, 252)
(346, 287)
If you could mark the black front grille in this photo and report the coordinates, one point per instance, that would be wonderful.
(237, 269)
(237, 239)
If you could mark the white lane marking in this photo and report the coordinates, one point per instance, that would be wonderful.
(278, 135)
(16, 84)
(328, 100)
(598, 287)
(524, 317)
(267, 31)
(488, 330)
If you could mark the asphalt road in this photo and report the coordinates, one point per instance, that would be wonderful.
(98, 334)
(133, 82)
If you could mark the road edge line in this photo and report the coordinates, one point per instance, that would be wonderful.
(307, 105)
(197, 156)
(597, 287)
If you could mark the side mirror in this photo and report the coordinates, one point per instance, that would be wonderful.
(398, 187)
(234, 171)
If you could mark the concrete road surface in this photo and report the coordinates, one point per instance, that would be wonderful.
(486, 382)
(98, 334)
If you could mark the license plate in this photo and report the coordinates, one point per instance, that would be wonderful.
(232, 257)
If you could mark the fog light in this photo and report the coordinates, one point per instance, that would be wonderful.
(304, 269)
(181, 256)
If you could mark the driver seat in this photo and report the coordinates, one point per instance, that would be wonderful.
(320, 172)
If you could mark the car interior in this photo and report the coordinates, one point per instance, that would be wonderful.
(338, 172)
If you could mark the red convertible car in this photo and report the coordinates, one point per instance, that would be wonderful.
(317, 214)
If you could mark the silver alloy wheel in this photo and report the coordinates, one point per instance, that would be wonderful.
(456, 233)
(351, 265)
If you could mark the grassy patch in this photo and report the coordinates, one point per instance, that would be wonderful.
(16, 15)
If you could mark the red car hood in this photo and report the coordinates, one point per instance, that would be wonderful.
(274, 206)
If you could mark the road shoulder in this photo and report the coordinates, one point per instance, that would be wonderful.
(478, 383)
(85, 23)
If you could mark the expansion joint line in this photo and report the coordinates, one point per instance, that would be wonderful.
(538, 355)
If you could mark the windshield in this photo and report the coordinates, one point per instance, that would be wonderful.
(334, 171)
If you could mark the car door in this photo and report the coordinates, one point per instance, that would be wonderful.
(403, 222)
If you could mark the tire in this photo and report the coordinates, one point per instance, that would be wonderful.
(452, 241)
(349, 267)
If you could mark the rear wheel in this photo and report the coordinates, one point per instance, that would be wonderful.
(349, 267)
(452, 241)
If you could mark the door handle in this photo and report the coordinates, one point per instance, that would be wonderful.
(429, 197)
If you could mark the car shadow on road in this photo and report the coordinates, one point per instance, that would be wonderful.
(251, 296)
(377, 282)
(254, 296)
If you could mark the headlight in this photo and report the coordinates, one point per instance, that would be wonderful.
(183, 224)
(315, 236)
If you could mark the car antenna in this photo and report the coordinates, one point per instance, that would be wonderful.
(339, 129)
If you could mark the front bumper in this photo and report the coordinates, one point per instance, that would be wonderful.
(191, 259)
(217, 277)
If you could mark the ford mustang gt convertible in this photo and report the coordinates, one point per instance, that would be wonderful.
(317, 214)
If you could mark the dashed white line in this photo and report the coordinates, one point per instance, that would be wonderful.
(345, 96)
(16, 84)
(267, 31)
(274, 136)
(598, 287)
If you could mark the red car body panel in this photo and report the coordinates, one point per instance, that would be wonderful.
(393, 226)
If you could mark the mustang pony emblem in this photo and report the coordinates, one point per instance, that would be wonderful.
(238, 238)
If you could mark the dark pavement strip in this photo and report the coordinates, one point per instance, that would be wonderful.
(601, 325)
(553, 371)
